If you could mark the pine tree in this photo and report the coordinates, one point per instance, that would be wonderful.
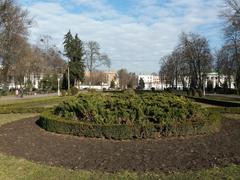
(73, 48)
(68, 39)
(141, 84)
(112, 85)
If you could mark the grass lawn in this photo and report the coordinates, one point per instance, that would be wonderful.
(14, 168)
(7, 118)
(205, 105)
(232, 116)
(34, 101)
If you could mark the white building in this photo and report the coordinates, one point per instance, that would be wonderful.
(151, 81)
(219, 80)
(157, 82)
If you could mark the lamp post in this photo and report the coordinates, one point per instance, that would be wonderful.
(204, 79)
(59, 93)
(68, 76)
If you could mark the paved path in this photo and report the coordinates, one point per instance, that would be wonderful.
(27, 140)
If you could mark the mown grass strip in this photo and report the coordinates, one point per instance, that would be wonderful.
(15, 168)
(7, 118)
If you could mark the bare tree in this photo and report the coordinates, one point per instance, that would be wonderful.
(231, 14)
(225, 64)
(167, 73)
(123, 78)
(198, 56)
(94, 58)
(98, 77)
(191, 58)
(132, 81)
(14, 23)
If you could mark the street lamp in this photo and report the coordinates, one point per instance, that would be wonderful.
(68, 76)
(204, 81)
(59, 93)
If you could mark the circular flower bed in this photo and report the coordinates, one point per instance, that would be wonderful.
(129, 115)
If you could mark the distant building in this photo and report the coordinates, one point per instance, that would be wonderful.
(106, 78)
(158, 82)
(151, 81)
(35, 81)
(218, 80)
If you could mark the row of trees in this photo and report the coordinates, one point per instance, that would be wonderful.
(228, 57)
(18, 58)
(192, 57)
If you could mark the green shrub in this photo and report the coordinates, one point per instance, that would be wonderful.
(3, 92)
(53, 123)
(193, 91)
(92, 90)
(74, 91)
(130, 115)
(200, 92)
(128, 108)
(63, 92)
(129, 91)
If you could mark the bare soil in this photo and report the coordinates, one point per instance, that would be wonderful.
(27, 140)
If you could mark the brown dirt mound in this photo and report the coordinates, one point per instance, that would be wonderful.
(25, 139)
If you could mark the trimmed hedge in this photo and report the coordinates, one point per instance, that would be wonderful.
(53, 123)
(215, 102)
(231, 110)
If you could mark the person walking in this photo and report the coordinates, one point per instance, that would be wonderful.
(16, 92)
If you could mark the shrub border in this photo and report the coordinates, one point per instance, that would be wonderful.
(231, 110)
(214, 102)
(53, 123)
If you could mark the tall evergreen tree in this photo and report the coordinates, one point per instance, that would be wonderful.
(112, 85)
(74, 51)
(141, 84)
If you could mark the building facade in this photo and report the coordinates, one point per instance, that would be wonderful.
(157, 82)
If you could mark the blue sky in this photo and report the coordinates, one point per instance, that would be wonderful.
(134, 33)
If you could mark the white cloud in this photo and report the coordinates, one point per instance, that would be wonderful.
(135, 41)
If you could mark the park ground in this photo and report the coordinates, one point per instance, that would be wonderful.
(28, 152)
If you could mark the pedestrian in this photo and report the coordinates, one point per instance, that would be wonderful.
(16, 92)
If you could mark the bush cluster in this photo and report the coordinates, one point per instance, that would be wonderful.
(129, 108)
(128, 115)
(53, 123)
